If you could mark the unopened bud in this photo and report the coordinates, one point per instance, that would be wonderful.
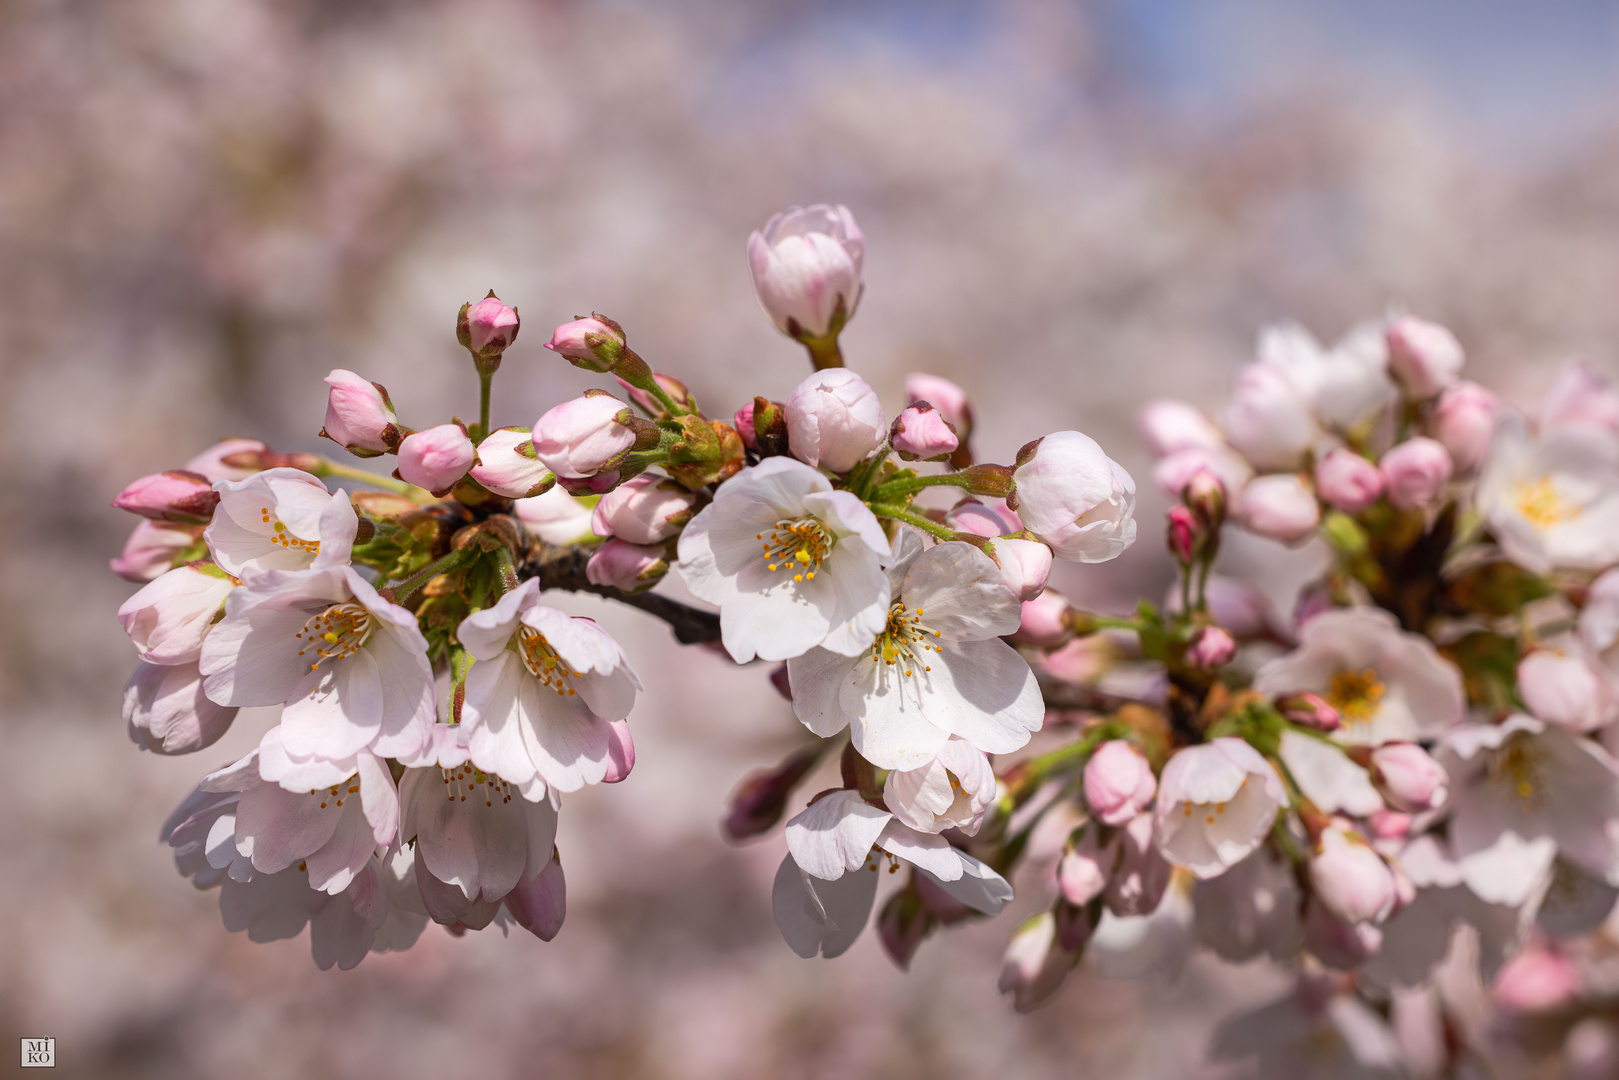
(1348, 482)
(508, 466)
(761, 799)
(743, 422)
(1309, 710)
(1118, 782)
(1045, 623)
(1410, 777)
(594, 344)
(920, 432)
(1205, 495)
(991, 481)
(178, 495)
(436, 458)
(627, 567)
(903, 925)
(1212, 648)
(540, 903)
(1183, 534)
(585, 436)
(1417, 471)
(1424, 356)
(359, 416)
(708, 451)
(486, 329)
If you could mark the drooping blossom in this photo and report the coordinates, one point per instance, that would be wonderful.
(834, 420)
(1216, 803)
(543, 694)
(359, 416)
(1552, 502)
(152, 550)
(1350, 878)
(280, 519)
(169, 618)
(1035, 963)
(953, 791)
(1075, 498)
(1386, 685)
(508, 465)
(791, 563)
(936, 667)
(806, 265)
(167, 712)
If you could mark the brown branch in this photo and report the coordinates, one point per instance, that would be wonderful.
(564, 568)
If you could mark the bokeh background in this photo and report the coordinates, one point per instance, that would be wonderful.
(1070, 208)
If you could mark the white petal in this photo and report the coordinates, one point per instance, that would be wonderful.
(821, 916)
(979, 887)
(817, 678)
(485, 633)
(985, 693)
(961, 593)
(835, 834)
(336, 711)
(928, 851)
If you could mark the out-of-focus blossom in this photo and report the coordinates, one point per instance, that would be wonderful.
(1350, 878)
(1417, 471)
(280, 519)
(1212, 648)
(1348, 482)
(1464, 421)
(177, 496)
(1313, 1032)
(936, 668)
(1181, 534)
(1536, 980)
(645, 510)
(152, 548)
(1043, 621)
(1035, 963)
(557, 517)
(1174, 472)
(1216, 803)
(167, 712)
(584, 436)
(1564, 684)
(626, 566)
(168, 619)
(1250, 910)
(1075, 498)
(1168, 426)
(1552, 502)
(1267, 419)
(834, 420)
(1140, 877)
(952, 791)
(945, 396)
(1310, 710)
(743, 422)
(806, 265)
(1083, 871)
(1347, 387)
(1025, 566)
(1580, 397)
(1279, 507)
(1410, 777)
(791, 563)
(508, 465)
(359, 416)
(1326, 776)
(436, 458)
(1386, 685)
(1118, 782)
(1425, 357)
(920, 432)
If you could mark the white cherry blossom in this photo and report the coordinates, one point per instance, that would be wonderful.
(280, 519)
(791, 563)
(167, 711)
(937, 668)
(952, 791)
(1552, 502)
(168, 619)
(1216, 804)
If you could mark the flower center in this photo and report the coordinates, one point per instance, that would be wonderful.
(338, 792)
(1356, 694)
(1516, 766)
(1210, 812)
(466, 780)
(280, 535)
(1543, 506)
(799, 547)
(904, 641)
(543, 662)
(336, 633)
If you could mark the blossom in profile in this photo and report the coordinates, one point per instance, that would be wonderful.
(508, 465)
(359, 416)
(953, 791)
(280, 519)
(791, 563)
(806, 265)
(1075, 498)
(935, 668)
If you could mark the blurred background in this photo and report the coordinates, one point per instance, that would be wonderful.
(1070, 208)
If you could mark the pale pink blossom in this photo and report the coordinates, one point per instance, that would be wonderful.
(177, 496)
(920, 432)
(1140, 875)
(359, 415)
(1563, 683)
(791, 563)
(1348, 482)
(1174, 472)
(557, 517)
(595, 344)
(1042, 621)
(1085, 867)
(584, 436)
(152, 549)
(1325, 775)
(1417, 471)
(1463, 421)
(1580, 397)
(280, 519)
(168, 619)
(743, 422)
(1279, 507)
(1552, 502)
(1168, 426)
(626, 566)
(1536, 980)
(806, 265)
(1025, 566)
(1346, 387)
(1212, 648)
(1075, 498)
(1267, 419)
(943, 395)
(1350, 878)
(1250, 910)
(541, 699)
(1118, 782)
(834, 420)
(167, 713)
(953, 791)
(436, 458)
(508, 465)
(935, 668)
(644, 510)
(1216, 804)
(489, 326)
(1410, 777)
(1425, 357)
(1035, 963)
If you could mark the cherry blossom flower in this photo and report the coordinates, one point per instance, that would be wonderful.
(645, 510)
(1250, 910)
(1118, 782)
(791, 563)
(1216, 803)
(437, 457)
(1313, 1032)
(541, 699)
(508, 465)
(359, 416)
(280, 519)
(1552, 502)
(1350, 878)
(1347, 481)
(585, 436)
(1075, 498)
(936, 668)
(1168, 426)
(1424, 356)
(557, 517)
(168, 619)
(953, 791)
(1035, 963)
(152, 549)
(1326, 776)
(1417, 471)
(168, 713)
(1563, 683)
(806, 266)
(1386, 685)
(1579, 396)
(350, 667)
(1279, 507)
(834, 420)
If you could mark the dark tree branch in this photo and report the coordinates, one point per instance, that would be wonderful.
(564, 568)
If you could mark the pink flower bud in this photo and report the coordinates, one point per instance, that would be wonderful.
(1035, 964)
(920, 432)
(582, 437)
(1417, 470)
(644, 510)
(806, 269)
(1267, 419)
(620, 752)
(1536, 980)
(1389, 824)
(1347, 481)
(595, 344)
(625, 566)
(359, 416)
(651, 405)
(507, 465)
(539, 903)
(834, 420)
(1569, 688)
(1464, 421)
(943, 395)
(1309, 710)
(1409, 777)
(1351, 879)
(1083, 872)
(225, 460)
(1279, 507)
(1183, 533)
(1424, 356)
(1074, 497)
(1212, 648)
(972, 516)
(1025, 566)
(758, 804)
(488, 327)
(152, 549)
(1175, 472)
(555, 517)
(1168, 426)
(436, 458)
(1205, 496)
(177, 495)
(743, 422)
(1043, 623)
(1118, 782)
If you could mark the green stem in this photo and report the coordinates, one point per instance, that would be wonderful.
(860, 482)
(405, 589)
(927, 525)
(907, 484)
(508, 569)
(824, 352)
(485, 381)
(328, 467)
